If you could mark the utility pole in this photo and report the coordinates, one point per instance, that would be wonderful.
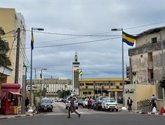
(23, 90)
(17, 56)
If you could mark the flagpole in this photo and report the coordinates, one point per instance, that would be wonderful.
(121, 29)
(123, 70)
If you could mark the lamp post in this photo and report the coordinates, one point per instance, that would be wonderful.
(31, 64)
(41, 82)
(121, 29)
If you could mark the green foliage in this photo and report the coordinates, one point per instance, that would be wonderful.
(63, 93)
(4, 48)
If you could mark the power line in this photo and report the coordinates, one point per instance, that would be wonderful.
(149, 24)
(68, 44)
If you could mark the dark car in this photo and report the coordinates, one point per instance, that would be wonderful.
(45, 105)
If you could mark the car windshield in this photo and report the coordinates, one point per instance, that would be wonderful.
(46, 101)
(110, 100)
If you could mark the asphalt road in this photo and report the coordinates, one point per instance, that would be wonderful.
(88, 117)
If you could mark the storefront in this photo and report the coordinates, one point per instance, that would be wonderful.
(10, 98)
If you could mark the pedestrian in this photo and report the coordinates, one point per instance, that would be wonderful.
(26, 103)
(129, 103)
(153, 102)
(71, 108)
(89, 103)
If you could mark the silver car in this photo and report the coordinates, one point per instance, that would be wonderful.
(67, 102)
(109, 104)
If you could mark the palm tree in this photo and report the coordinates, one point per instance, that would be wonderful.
(4, 48)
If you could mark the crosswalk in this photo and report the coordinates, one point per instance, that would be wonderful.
(59, 109)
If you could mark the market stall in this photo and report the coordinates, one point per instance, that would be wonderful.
(10, 98)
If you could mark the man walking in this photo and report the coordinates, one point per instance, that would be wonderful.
(71, 108)
(26, 103)
(153, 102)
(129, 104)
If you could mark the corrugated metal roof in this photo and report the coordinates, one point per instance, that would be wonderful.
(153, 30)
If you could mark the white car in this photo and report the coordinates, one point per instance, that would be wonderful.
(109, 104)
(85, 103)
(67, 103)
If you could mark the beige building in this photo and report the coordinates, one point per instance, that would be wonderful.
(10, 21)
(93, 87)
(147, 61)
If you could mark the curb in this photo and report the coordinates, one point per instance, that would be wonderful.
(151, 113)
(16, 116)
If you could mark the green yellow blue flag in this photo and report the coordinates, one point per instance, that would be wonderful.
(32, 40)
(80, 73)
(128, 39)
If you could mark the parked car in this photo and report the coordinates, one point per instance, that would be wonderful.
(80, 102)
(46, 104)
(98, 103)
(67, 103)
(109, 104)
(85, 103)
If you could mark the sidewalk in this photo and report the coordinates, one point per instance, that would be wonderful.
(15, 116)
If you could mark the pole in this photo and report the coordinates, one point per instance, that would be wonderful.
(17, 56)
(23, 91)
(41, 85)
(23, 95)
(31, 74)
(31, 66)
(123, 71)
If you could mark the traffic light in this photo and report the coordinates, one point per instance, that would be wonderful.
(162, 83)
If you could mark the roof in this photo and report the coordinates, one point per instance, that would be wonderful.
(102, 79)
(153, 30)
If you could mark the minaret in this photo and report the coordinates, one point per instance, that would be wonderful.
(75, 75)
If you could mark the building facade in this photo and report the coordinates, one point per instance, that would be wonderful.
(147, 59)
(94, 87)
(52, 85)
(10, 21)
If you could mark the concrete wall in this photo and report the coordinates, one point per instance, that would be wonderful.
(140, 94)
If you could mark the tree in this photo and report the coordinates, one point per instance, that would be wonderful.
(4, 48)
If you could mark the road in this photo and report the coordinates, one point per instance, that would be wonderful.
(88, 117)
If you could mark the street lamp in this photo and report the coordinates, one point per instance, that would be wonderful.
(121, 29)
(31, 65)
(41, 82)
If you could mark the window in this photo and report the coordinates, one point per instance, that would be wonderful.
(154, 40)
(88, 84)
(112, 84)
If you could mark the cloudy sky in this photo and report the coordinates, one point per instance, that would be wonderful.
(84, 26)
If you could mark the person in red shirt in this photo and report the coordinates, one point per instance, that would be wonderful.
(89, 103)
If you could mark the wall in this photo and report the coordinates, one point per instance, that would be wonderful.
(10, 21)
(140, 96)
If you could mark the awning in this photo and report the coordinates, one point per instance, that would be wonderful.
(16, 93)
